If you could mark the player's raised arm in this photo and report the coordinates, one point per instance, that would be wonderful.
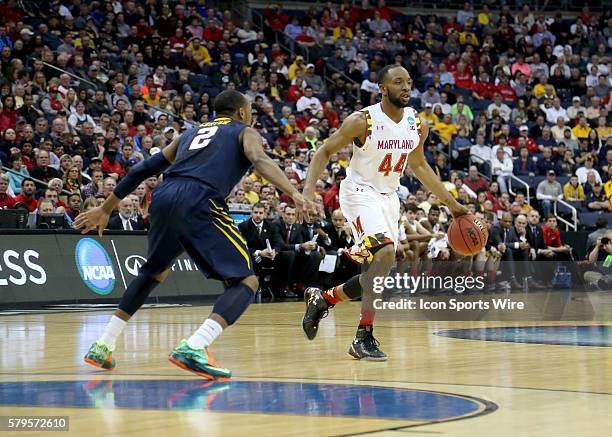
(253, 149)
(98, 217)
(354, 126)
(429, 179)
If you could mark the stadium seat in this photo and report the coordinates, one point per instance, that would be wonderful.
(562, 180)
(199, 81)
(588, 219)
(563, 209)
(172, 76)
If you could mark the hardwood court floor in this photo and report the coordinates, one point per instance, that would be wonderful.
(498, 388)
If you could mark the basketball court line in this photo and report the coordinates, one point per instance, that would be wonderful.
(490, 407)
(96, 373)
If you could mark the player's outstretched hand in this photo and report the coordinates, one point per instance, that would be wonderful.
(458, 210)
(92, 219)
(304, 207)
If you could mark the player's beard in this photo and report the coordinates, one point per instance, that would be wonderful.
(397, 101)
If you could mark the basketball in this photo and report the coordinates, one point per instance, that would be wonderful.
(467, 235)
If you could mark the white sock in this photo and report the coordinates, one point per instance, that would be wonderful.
(205, 335)
(112, 331)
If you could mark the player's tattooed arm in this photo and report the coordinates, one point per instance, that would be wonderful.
(429, 179)
(353, 127)
(252, 145)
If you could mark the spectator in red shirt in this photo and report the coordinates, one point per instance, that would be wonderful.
(178, 42)
(330, 197)
(28, 187)
(505, 90)
(361, 14)
(463, 76)
(484, 89)
(6, 200)
(523, 140)
(383, 10)
(52, 195)
(8, 113)
(27, 155)
(451, 24)
(212, 32)
(451, 62)
(276, 19)
(295, 91)
(110, 165)
(552, 240)
(331, 115)
(475, 182)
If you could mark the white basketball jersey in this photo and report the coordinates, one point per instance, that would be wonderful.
(381, 161)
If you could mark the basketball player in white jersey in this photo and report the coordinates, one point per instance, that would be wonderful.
(386, 137)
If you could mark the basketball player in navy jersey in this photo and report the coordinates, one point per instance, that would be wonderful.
(188, 213)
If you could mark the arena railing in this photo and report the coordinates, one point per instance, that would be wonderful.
(520, 182)
(38, 181)
(574, 212)
(475, 160)
(74, 76)
(157, 108)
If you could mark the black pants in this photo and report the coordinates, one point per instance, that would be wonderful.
(307, 266)
(279, 270)
(515, 264)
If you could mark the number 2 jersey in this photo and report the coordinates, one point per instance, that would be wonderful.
(212, 154)
(381, 160)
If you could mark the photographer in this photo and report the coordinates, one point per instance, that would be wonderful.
(601, 257)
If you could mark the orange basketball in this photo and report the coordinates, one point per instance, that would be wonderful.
(467, 235)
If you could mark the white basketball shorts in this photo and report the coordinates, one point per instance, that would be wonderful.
(373, 216)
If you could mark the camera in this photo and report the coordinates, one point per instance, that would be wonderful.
(604, 241)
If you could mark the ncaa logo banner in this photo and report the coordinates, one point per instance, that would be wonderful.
(75, 268)
(95, 266)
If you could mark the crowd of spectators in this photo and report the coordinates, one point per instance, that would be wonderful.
(90, 88)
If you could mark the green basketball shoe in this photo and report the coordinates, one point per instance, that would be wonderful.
(100, 355)
(199, 361)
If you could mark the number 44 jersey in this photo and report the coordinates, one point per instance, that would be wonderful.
(380, 162)
(212, 154)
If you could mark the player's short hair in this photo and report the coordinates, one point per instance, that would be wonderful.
(258, 205)
(385, 70)
(434, 208)
(228, 102)
(412, 207)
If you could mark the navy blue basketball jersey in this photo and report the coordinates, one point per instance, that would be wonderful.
(212, 154)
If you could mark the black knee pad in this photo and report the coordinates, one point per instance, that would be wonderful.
(233, 302)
